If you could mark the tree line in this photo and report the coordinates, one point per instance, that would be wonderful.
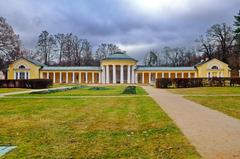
(220, 41)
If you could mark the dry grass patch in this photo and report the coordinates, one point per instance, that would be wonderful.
(90, 128)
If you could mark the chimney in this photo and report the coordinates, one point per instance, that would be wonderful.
(206, 59)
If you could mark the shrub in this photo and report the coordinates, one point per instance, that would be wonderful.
(130, 90)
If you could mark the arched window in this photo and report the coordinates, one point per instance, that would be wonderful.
(22, 67)
(214, 68)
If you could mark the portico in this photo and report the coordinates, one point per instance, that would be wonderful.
(118, 68)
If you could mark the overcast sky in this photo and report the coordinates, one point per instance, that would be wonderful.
(135, 25)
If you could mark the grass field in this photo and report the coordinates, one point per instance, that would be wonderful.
(8, 90)
(87, 91)
(100, 127)
(228, 104)
(207, 90)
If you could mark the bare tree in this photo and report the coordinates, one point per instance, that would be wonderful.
(45, 47)
(224, 38)
(60, 41)
(151, 58)
(9, 43)
(104, 50)
(207, 46)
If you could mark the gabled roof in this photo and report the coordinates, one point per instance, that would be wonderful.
(35, 62)
(71, 68)
(205, 61)
(147, 68)
(119, 56)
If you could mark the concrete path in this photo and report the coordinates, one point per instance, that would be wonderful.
(214, 134)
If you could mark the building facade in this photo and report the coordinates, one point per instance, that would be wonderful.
(116, 68)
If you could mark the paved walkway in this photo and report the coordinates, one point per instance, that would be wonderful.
(214, 134)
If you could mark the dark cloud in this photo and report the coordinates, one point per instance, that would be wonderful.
(135, 25)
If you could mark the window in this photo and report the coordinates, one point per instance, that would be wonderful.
(22, 75)
(214, 68)
(22, 67)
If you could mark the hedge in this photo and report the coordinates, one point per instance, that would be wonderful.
(31, 83)
(196, 82)
(130, 90)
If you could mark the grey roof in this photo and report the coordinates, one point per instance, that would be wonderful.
(71, 68)
(146, 68)
(119, 56)
(34, 62)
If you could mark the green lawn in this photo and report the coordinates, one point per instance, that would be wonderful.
(129, 127)
(228, 104)
(7, 90)
(206, 90)
(86, 91)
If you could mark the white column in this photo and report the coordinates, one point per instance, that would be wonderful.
(14, 74)
(79, 77)
(156, 76)
(107, 74)
(169, 75)
(128, 74)
(195, 75)
(136, 78)
(114, 74)
(162, 74)
(176, 75)
(99, 77)
(182, 75)
(41, 75)
(47, 75)
(92, 77)
(73, 77)
(121, 74)
(189, 75)
(60, 77)
(86, 77)
(143, 78)
(54, 77)
(66, 77)
(25, 75)
(133, 75)
(149, 78)
(18, 75)
(103, 74)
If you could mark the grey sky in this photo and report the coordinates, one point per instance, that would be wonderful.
(135, 25)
